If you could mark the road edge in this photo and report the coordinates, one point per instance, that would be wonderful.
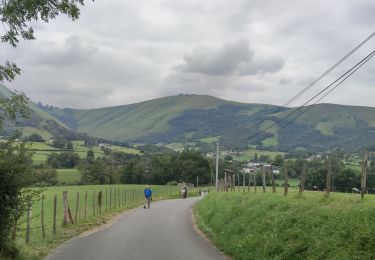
(204, 235)
(109, 222)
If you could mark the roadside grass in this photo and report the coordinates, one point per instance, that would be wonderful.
(271, 226)
(127, 197)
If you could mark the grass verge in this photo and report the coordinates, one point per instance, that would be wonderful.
(271, 226)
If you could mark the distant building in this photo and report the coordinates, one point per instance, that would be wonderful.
(104, 145)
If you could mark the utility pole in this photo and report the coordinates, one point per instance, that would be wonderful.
(364, 173)
(217, 166)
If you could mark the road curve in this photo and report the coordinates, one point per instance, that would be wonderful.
(164, 232)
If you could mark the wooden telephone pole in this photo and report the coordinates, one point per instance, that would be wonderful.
(364, 173)
(329, 176)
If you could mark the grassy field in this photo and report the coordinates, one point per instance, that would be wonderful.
(123, 197)
(271, 226)
(68, 176)
(250, 154)
(42, 150)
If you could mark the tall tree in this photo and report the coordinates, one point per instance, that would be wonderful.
(16, 17)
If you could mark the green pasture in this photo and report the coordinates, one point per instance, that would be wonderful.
(250, 154)
(68, 176)
(245, 225)
(293, 182)
(42, 150)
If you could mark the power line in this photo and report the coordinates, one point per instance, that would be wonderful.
(342, 78)
(347, 74)
(329, 70)
(314, 83)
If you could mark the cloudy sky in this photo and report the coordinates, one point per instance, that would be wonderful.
(126, 51)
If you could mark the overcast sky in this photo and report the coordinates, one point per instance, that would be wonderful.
(263, 51)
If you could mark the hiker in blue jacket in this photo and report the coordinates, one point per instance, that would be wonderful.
(148, 196)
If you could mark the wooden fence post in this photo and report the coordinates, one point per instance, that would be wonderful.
(42, 218)
(249, 183)
(286, 181)
(364, 173)
(114, 199)
(255, 182)
(329, 176)
(243, 181)
(106, 199)
(85, 204)
(264, 178)
(110, 199)
(65, 208)
(238, 181)
(93, 202)
(119, 199)
(76, 213)
(100, 201)
(273, 181)
(54, 214)
(303, 179)
(28, 221)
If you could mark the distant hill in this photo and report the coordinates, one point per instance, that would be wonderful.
(185, 118)
(40, 122)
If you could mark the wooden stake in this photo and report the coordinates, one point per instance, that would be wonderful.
(106, 199)
(255, 182)
(286, 187)
(264, 178)
(93, 202)
(100, 201)
(54, 214)
(110, 199)
(243, 181)
(364, 174)
(273, 181)
(65, 208)
(238, 181)
(329, 176)
(119, 198)
(85, 204)
(42, 218)
(249, 183)
(76, 213)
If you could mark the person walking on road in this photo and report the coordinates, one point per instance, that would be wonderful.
(148, 197)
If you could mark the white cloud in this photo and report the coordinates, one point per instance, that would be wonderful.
(122, 52)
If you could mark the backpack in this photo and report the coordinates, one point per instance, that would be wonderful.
(148, 192)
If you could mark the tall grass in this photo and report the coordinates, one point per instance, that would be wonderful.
(271, 226)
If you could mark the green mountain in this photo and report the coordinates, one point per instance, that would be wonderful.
(186, 118)
(39, 122)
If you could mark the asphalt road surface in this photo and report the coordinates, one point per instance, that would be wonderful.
(164, 232)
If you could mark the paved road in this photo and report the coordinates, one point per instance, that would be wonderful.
(164, 232)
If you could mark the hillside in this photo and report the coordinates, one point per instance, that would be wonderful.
(186, 118)
(40, 122)
(166, 119)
